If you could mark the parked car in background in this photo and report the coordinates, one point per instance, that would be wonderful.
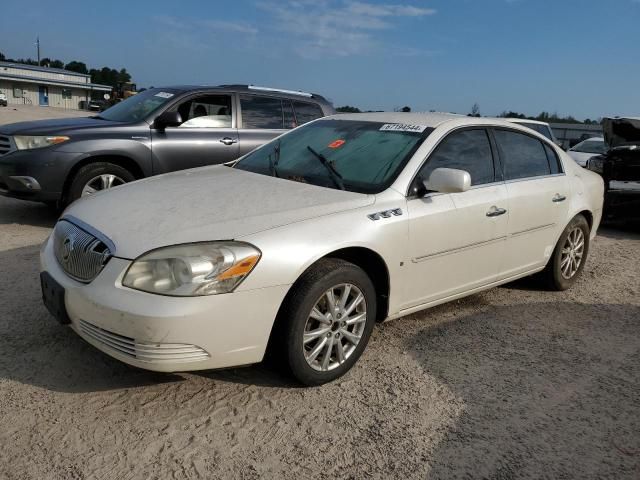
(542, 128)
(96, 105)
(586, 149)
(156, 131)
(620, 165)
(308, 241)
(3, 99)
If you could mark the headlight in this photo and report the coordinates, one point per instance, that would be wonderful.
(193, 269)
(28, 142)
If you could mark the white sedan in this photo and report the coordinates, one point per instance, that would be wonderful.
(302, 245)
(583, 151)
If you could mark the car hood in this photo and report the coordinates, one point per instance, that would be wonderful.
(620, 132)
(54, 126)
(203, 204)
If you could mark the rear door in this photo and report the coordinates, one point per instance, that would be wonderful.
(538, 193)
(262, 118)
(207, 135)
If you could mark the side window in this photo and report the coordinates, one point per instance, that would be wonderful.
(210, 111)
(289, 118)
(522, 156)
(261, 112)
(468, 150)
(305, 111)
(554, 161)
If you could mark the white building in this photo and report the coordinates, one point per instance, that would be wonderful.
(31, 85)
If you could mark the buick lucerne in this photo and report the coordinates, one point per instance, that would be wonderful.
(302, 245)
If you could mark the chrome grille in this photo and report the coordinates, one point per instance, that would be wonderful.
(145, 352)
(80, 254)
(6, 145)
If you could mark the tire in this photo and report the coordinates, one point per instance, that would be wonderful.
(93, 174)
(557, 275)
(310, 292)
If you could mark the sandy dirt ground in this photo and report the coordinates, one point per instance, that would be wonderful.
(516, 382)
(25, 113)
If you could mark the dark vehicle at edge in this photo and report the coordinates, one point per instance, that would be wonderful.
(156, 131)
(620, 165)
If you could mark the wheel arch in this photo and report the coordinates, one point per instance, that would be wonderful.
(373, 265)
(120, 160)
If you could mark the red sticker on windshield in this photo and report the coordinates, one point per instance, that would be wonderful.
(336, 144)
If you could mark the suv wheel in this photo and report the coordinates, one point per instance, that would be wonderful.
(328, 319)
(97, 176)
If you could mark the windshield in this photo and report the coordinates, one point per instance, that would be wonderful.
(357, 156)
(138, 107)
(590, 146)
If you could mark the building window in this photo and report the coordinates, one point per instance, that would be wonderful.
(66, 93)
(17, 92)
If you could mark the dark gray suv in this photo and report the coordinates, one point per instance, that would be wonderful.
(156, 131)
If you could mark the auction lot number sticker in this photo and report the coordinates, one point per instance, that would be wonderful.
(402, 127)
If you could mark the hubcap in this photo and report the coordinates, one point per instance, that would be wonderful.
(334, 327)
(572, 253)
(101, 182)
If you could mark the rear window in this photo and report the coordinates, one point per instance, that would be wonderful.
(522, 156)
(261, 112)
(591, 146)
(306, 112)
(541, 129)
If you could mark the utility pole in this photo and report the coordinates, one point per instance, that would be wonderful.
(38, 46)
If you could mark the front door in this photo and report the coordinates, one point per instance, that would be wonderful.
(43, 95)
(457, 239)
(539, 200)
(207, 135)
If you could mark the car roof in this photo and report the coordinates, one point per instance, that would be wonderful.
(431, 120)
(292, 94)
(526, 120)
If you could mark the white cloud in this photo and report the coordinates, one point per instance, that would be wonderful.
(339, 28)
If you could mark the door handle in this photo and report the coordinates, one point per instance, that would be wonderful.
(496, 212)
(558, 198)
(228, 140)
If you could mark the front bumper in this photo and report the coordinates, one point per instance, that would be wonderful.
(167, 334)
(45, 169)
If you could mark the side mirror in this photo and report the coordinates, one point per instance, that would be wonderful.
(167, 119)
(448, 180)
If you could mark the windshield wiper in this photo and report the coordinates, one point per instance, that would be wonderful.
(273, 162)
(333, 173)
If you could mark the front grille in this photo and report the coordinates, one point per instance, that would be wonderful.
(80, 254)
(6, 145)
(144, 352)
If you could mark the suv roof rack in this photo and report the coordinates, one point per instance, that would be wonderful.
(275, 90)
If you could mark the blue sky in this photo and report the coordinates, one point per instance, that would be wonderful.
(578, 57)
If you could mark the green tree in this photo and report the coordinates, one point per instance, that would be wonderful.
(75, 66)
(405, 109)
(348, 109)
(2, 57)
(475, 110)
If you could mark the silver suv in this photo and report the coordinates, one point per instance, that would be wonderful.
(156, 131)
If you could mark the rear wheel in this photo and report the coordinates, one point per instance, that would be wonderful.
(95, 177)
(569, 256)
(327, 321)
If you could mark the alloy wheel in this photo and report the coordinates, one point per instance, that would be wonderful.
(334, 327)
(572, 253)
(101, 182)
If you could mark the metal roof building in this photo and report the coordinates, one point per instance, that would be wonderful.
(31, 85)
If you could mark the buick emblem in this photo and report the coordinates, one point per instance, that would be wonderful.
(67, 249)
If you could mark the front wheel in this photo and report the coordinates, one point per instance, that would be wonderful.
(328, 319)
(96, 177)
(569, 256)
